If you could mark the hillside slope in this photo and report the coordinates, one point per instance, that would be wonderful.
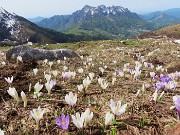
(15, 29)
(170, 31)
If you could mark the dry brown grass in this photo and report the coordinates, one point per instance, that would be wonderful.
(142, 115)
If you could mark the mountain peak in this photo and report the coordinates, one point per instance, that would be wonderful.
(103, 10)
(2, 10)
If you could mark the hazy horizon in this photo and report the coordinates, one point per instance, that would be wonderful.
(46, 8)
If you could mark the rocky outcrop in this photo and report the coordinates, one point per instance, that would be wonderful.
(30, 54)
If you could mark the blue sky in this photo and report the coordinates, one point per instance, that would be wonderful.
(47, 8)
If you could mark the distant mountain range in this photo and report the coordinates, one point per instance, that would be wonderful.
(36, 19)
(107, 22)
(89, 23)
(163, 18)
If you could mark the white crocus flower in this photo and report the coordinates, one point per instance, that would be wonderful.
(80, 87)
(171, 85)
(155, 96)
(138, 65)
(80, 70)
(158, 67)
(23, 95)
(35, 71)
(113, 80)
(88, 115)
(1, 132)
(100, 80)
(50, 63)
(71, 99)
(162, 93)
(137, 73)
(12, 92)
(19, 58)
(45, 61)
(101, 69)
(78, 120)
(104, 84)
(117, 108)
(9, 79)
(172, 107)
(138, 92)
(114, 61)
(3, 63)
(65, 68)
(91, 75)
(73, 74)
(89, 59)
(120, 73)
(55, 73)
(81, 57)
(49, 86)
(86, 82)
(30, 85)
(66, 75)
(37, 114)
(37, 89)
(47, 77)
(58, 61)
(114, 74)
(143, 88)
(109, 118)
(152, 74)
(145, 64)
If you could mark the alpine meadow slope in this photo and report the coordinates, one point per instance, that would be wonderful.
(172, 32)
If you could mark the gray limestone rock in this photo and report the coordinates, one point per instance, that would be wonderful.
(30, 54)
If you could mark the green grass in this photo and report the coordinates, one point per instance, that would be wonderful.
(72, 46)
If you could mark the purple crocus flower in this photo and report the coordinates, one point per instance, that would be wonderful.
(165, 78)
(120, 73)
(156, 77)
(53, 83)
(176, 100)
(63, 122)
(149, 65)
(159, 85)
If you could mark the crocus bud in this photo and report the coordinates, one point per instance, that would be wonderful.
(12, 92)
(109, 118)
(23, 95)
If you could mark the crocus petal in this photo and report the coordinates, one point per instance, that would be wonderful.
(58, 121)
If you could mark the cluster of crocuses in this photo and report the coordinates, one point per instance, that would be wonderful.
(164, 81)
(48, 85)
(13, 93)
(81, 120)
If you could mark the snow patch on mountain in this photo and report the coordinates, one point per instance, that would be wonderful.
(104, 10)
(9, 21)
